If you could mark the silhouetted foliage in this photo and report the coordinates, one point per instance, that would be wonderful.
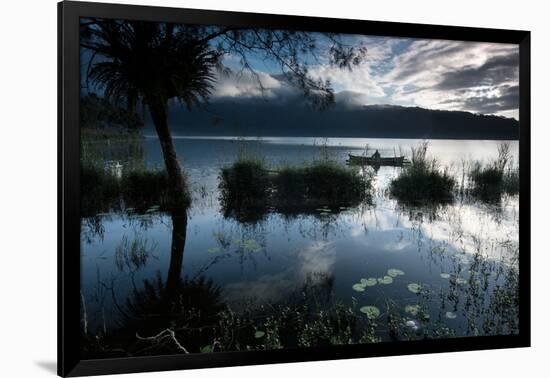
(103, 191)
(98, 113)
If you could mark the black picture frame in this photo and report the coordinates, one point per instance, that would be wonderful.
(69, 361)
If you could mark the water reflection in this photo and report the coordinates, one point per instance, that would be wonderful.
(287, 277)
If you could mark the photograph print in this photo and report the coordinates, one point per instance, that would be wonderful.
(248, 189)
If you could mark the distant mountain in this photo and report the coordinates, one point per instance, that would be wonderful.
(260, 117)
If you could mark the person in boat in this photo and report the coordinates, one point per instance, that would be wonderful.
(376, 155)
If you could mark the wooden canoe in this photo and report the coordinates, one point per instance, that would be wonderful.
(397, 161)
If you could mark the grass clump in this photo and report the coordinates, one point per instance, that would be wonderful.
(245, 189)
(248, 186)
(102, 190)
(322, 183)
(144, 188)
(99, 190)
(423, 181)
(491, 181)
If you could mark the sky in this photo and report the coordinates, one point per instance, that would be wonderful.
(434, 74)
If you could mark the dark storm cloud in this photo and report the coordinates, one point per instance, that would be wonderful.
(494, 72)
(508, 99)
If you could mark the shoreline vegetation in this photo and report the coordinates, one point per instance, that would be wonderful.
(250, 188)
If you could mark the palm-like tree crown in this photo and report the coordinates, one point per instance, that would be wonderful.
(151, 61)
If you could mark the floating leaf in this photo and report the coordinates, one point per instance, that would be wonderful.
(214, 250)
(412, 309)
(412, 324)
(460, 281)
(445, 275)
(395, 272)
(358, 287)
(370, 281)
(450, 315)
(363, 281)
(385, 281)
(372, 312)
(259, 334)
(251, 246)
(414, 287)
(206, 349)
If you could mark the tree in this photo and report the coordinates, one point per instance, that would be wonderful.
(134, 61)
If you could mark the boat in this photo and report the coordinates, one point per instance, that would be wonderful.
(397, 161)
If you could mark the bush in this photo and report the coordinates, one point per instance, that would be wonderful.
(423, 182)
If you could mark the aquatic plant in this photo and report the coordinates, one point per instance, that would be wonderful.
(249, 186)
(489, 182)
(102, 190)
(423, 181)
(244, 189)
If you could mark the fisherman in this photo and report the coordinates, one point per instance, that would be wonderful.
(376, 155)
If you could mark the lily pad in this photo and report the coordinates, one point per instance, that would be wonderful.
(363, 281)
(372, 312)
(370, 281)
(395, 272)
(412, 309)
(414, 288)
(450, 315)
(358, 287)
(460, 281)
(251, 245)
(259, 334)
(206, 349)
(214, 249)
(412, 324)
(385, 281)
(445, 275)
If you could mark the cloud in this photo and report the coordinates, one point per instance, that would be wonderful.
(435, 74)
(247, 85)
(495, 71)
(450, 75)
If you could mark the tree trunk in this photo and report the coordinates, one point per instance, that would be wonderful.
(179, 234)
(158, 109)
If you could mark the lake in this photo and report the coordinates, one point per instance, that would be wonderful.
(426, 270)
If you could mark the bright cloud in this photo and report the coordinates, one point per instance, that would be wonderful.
(434, 74)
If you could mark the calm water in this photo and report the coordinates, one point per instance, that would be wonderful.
(270, 260)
